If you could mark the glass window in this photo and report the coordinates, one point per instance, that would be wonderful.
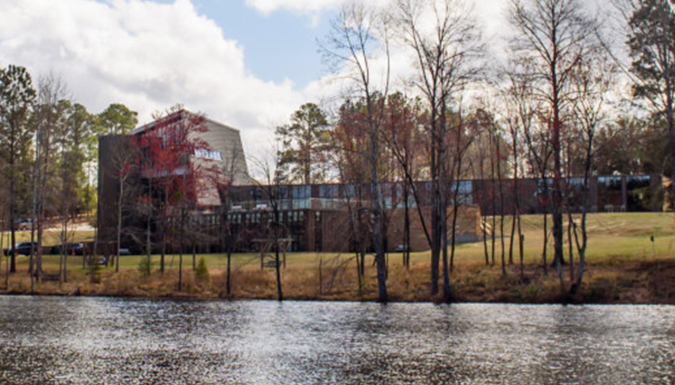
(328, 192)
(349, 191)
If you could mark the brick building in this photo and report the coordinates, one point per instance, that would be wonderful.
(332, 217)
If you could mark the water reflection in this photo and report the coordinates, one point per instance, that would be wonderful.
(114, 341)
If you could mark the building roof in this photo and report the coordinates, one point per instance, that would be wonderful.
(178, 114)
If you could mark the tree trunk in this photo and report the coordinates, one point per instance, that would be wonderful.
(277, 264)
(501, 204)
(31, 262)
(671, 131)
(455, 209)
(164, 229)
(7, 258)
(406, 227)
(64, 251)
(2, 244)
(148, 233)
(485, 243)
(180, 251)
(443, 180)
(65, 268)
(581, 248)
(516, 208)
(161, 258)
(194, 255)
(557, 197)
(2, 254)
(40, 225)
(436, 202)
(12, 204)
(377, 224)
(493, 240)
(120, 201)
(545, 246)
(229, 264)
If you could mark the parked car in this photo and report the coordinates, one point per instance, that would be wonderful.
(24, 224)
(21, 248)
(402, 247)
(73, 248)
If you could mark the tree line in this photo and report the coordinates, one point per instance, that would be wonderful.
(564, 104)
(557, 107)
(48, 158)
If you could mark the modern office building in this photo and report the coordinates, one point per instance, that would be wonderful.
(322, 217)
(124, 167)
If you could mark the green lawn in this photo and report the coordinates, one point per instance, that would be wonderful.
(625, 235)
(51, 237)
(619, 244)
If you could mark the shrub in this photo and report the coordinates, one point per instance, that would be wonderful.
(202, 272)
(144, 266)
(94, 269)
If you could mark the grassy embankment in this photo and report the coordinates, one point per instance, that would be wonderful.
(624, 266)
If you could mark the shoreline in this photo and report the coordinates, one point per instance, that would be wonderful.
(615, 283)
(324, 300)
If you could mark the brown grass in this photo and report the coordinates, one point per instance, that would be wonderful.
(624, 266)
(626, 282)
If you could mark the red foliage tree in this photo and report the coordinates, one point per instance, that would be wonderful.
(176, 178)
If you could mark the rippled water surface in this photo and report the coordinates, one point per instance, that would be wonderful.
(120, 341)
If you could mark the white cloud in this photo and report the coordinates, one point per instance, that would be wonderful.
(487, 9)
(150, 56)
(298, 6)
(146, 55)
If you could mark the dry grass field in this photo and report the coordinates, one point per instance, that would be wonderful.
(624, 266)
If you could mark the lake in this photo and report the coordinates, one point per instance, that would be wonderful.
(77, 340)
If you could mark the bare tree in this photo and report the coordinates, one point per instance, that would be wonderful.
(445, 55)
(48, 118)
(461, 138)
(271, 175)
(554, 35)
(351, 42)
(349, 141)
(4, 193)
(227, 235)
(124, 166)
(520, 117)
(404, 141)
(594, 80)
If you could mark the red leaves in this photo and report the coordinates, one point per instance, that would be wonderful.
(400, 132)
(126, 168)
(166, 148)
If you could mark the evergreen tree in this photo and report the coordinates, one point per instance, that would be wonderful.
(303, 142)
(16, 100)
(651, 41)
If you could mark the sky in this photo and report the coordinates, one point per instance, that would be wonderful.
(246, 63)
